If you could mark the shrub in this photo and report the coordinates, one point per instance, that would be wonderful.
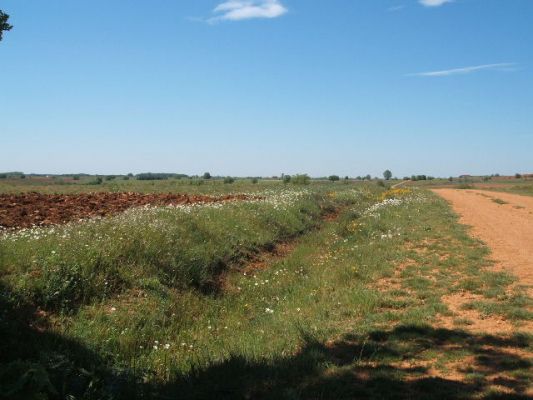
(334, 178)
(517, 176)
(126, 178)
(255, 180)
(3, 176)
(286, 178)
(76, 177)
(206, 175)
(229, 179)
(22, 176)
(380, 183)
(300, 179)
(110, 177)
(96, 181)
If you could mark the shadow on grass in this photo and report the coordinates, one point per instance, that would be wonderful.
(381, 365)
(388, 364)
(37, 364)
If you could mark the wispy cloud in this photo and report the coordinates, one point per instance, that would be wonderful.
(468, 70)
(395, 8)
(434, 3)
(238, 10)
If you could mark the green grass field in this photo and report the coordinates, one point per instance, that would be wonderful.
(170, 303)
(520, 186)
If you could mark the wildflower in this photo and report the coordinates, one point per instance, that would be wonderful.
(269, 311)
(167, 346)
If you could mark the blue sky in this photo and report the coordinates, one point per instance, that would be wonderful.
(261, 87)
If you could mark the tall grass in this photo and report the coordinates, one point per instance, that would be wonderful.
(186, 246)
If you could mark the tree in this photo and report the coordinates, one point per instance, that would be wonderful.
(387, 175)
(207, 175)
(4, 26)
(334, 178)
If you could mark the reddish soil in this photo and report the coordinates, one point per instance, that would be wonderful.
(29, 209)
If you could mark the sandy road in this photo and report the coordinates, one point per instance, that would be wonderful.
(506, 228)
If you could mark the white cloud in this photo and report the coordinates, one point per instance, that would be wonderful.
(468, 70)
(237, 10)
(434, 3)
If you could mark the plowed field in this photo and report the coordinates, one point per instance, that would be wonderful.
(29, 209)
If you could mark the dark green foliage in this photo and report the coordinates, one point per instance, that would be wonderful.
(206, 175)
(517, 176)
(254, 180)
(334, 178)
(110, 177)
(229, 180)
(387, 174)
(4, 26)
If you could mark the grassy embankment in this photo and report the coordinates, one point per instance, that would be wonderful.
(354, 310)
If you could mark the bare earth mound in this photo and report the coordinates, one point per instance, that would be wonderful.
(29, 209)
(503, 221)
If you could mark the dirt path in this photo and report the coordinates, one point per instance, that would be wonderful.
(503, 221)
